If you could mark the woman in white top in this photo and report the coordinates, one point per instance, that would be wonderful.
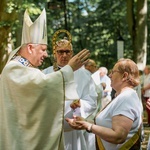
(121, 119)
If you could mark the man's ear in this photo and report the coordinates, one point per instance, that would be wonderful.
(29, 48)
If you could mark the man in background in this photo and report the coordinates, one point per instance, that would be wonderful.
(86, 100)
(91, 68)
(106, 82)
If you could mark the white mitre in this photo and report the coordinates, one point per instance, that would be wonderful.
(34, 32)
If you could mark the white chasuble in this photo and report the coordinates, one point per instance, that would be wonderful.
(31, 109)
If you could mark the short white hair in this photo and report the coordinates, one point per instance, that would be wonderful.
(103, 69)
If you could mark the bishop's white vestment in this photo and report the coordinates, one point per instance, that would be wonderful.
(32, 107)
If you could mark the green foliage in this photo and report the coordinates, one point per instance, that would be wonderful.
(98, 23)
(94, 24)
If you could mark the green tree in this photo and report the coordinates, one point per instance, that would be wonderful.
(7, 17)
(137, 22)
(94, 24)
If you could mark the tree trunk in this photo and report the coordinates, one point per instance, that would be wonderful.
(6, 20)
(138, 30)
(3, 36)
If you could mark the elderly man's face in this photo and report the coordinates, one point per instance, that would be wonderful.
(39, 53)
(102, 73)
(63, 55)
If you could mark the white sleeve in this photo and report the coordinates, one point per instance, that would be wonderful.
(70, 85)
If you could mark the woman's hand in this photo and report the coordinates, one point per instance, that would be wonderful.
(78, 123)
